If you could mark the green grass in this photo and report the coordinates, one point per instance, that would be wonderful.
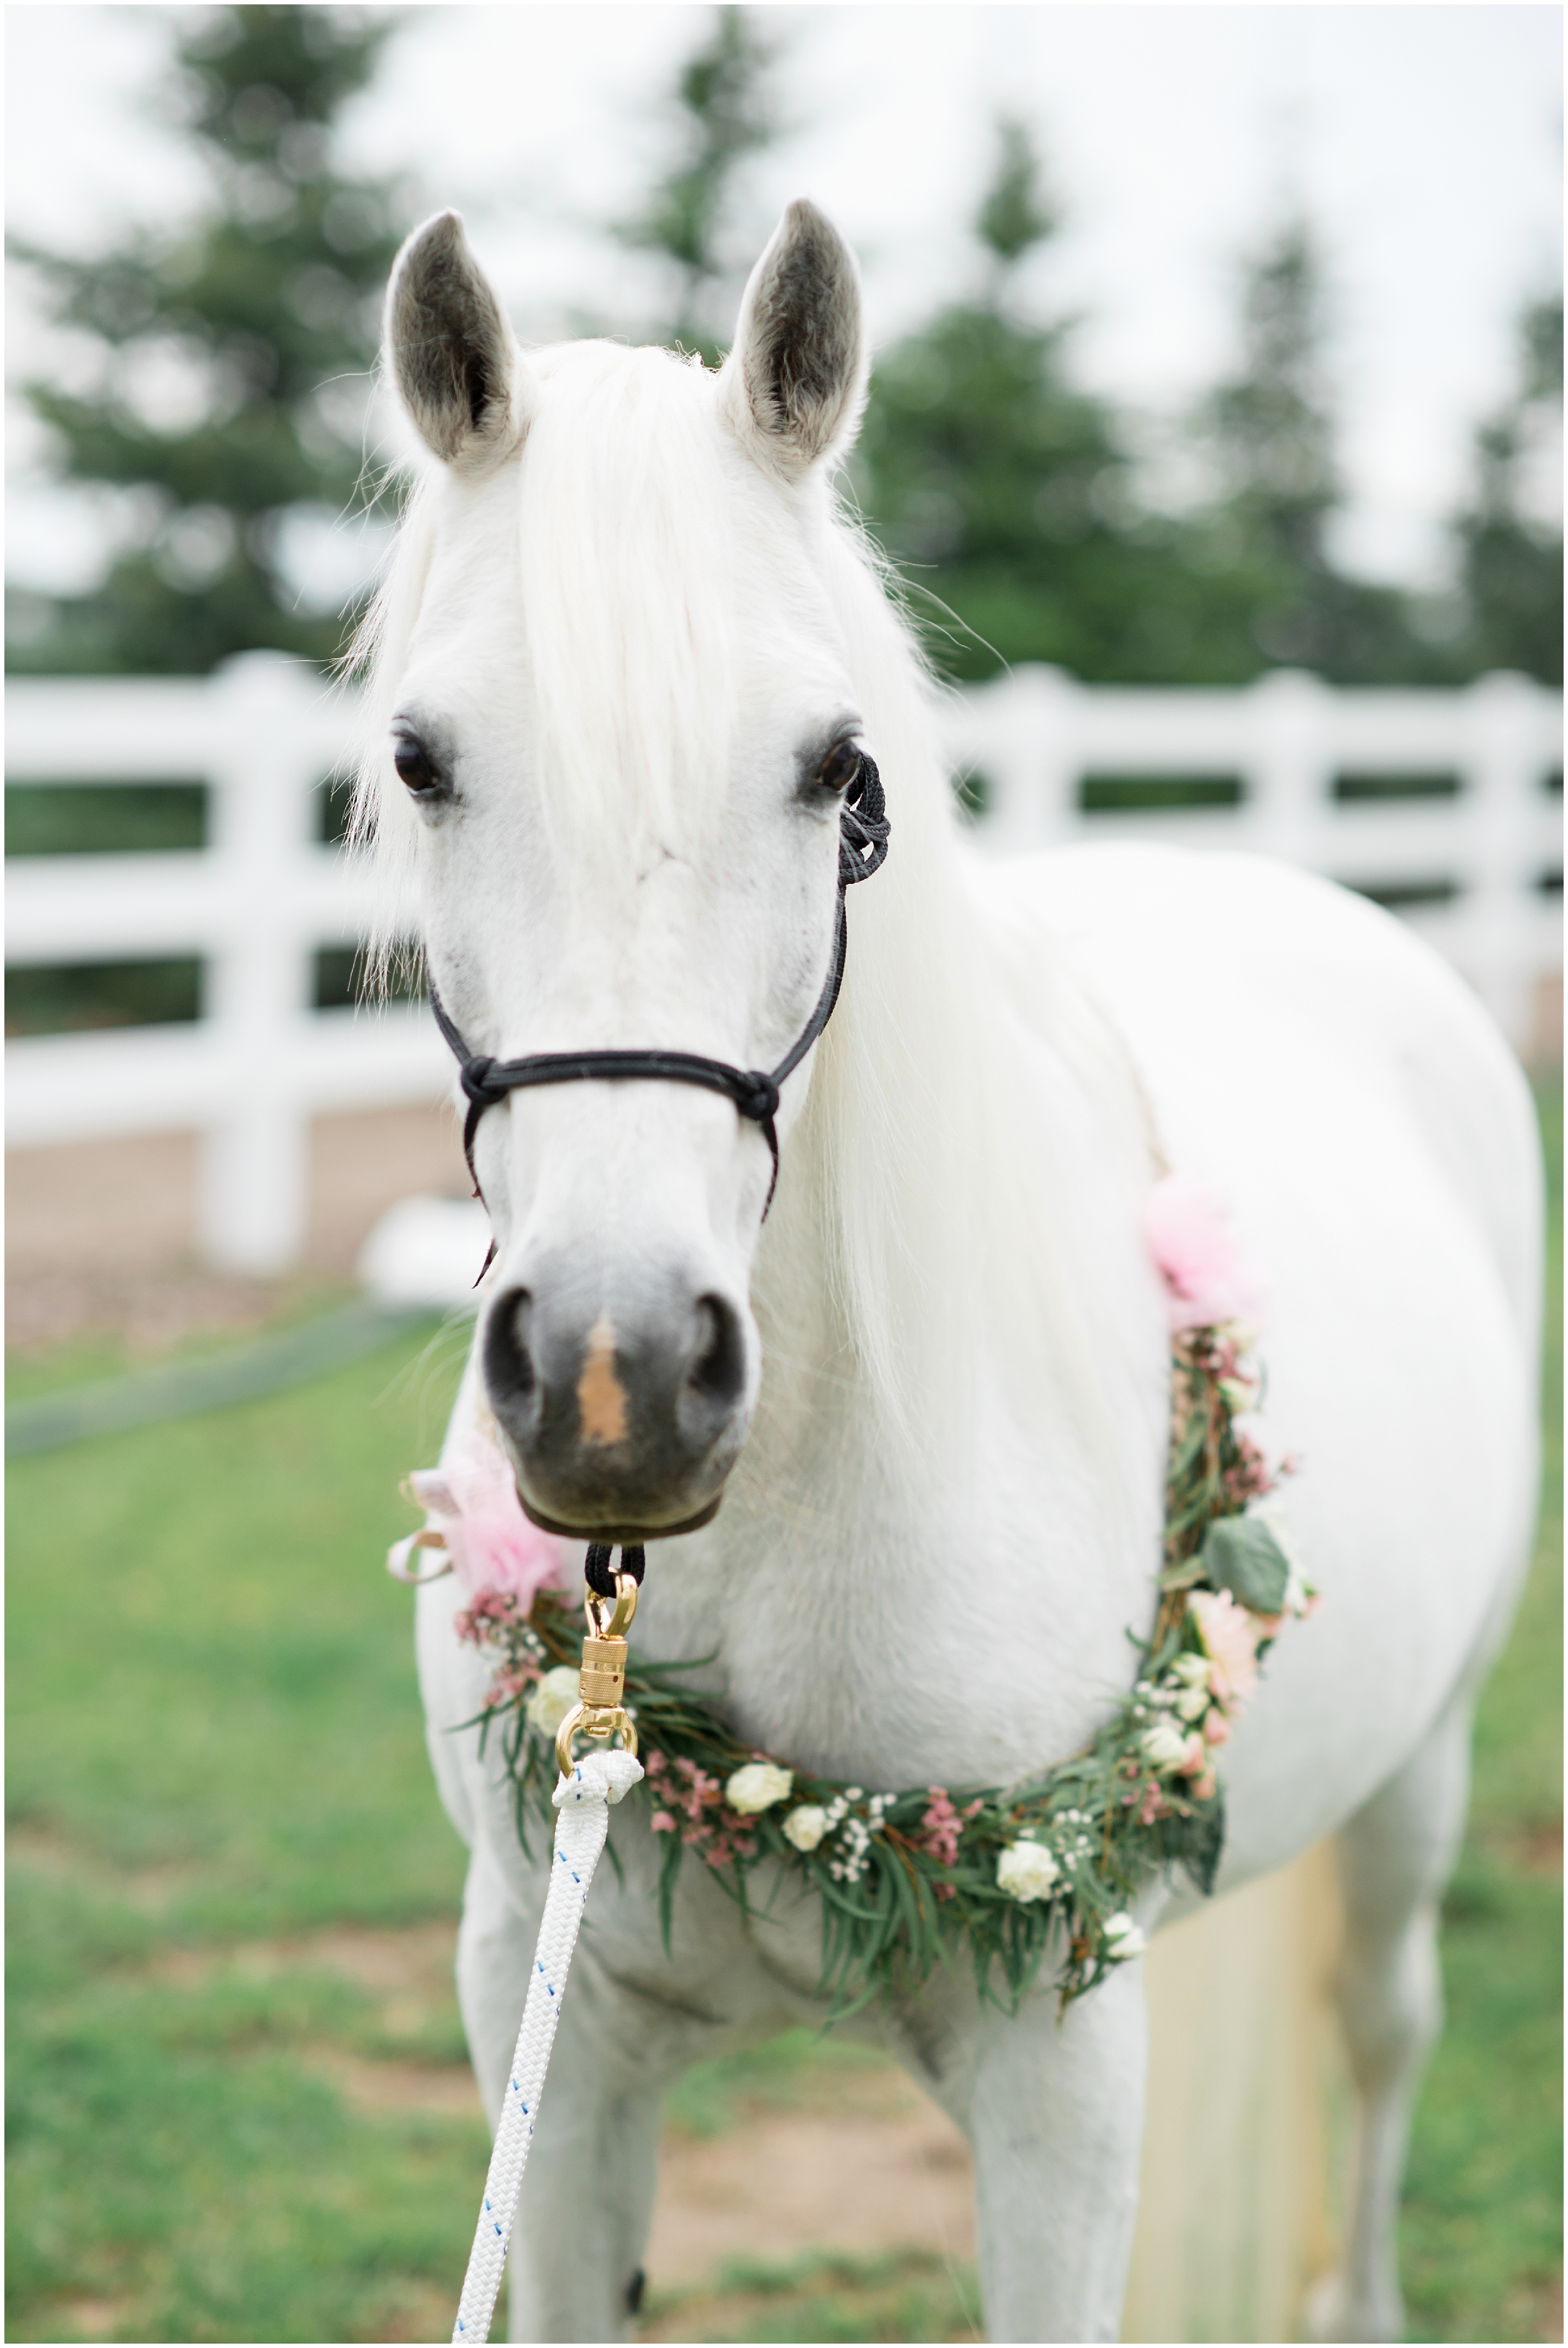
(217, 1768)
(1481, 2232)
(906, 2295)
(215, 1741)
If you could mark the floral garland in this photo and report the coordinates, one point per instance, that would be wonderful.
(905, 1877)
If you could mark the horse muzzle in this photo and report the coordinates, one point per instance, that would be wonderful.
(623, 1416)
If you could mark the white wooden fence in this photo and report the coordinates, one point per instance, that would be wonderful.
(263, 896)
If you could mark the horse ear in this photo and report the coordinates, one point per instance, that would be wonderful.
(794, 383)
(453, 359)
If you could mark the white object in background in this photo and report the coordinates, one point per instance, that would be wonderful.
(427, 1251)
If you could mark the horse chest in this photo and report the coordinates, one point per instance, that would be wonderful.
(942, 1664)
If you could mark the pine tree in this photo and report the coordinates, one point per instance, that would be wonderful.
(273, 299)
(1008, 494)
(1512, 559)
(1270, 437)
(725, 114)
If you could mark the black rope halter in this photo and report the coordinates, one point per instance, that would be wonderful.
(862, 833)
(861, 847)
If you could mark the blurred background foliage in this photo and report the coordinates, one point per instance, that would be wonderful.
(1026, 513)
(235, 359)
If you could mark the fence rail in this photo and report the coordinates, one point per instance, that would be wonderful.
(1475, 867)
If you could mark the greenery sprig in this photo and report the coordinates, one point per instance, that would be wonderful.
(1003, 1874)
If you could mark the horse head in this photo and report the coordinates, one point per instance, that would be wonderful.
(621, 731)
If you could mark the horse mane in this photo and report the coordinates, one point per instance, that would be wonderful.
(623, 505)
(965, 1081)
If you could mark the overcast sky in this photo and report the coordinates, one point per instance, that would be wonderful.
(1424, 140)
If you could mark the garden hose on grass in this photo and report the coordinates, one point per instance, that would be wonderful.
(286, 1357)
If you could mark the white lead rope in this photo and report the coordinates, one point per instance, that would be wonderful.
(583, 1802)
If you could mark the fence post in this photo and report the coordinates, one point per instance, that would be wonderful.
(1292, 766)
(1031, 759)
(255, 1155)
(1504, 785)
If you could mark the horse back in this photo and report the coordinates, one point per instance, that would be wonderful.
(1218, 968)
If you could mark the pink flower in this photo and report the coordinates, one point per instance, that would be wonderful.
(941, 1826)
(493, 1614)
(1230, 1636)
(1203, 1787)
(509, 1685)
(662, 1822)
(1217, 1727)
(1209, 1276)
(1152, 1806)
(1195, 1758)
(472, 1502)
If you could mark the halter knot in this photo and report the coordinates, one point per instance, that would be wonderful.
(478, 1079)
(756, 1096)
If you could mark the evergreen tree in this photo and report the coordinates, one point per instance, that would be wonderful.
(1270, 436)
(1009, 494)
(725, 114)
(273, 300)
(1512, 559)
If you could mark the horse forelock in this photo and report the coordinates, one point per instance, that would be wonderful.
(629, 566)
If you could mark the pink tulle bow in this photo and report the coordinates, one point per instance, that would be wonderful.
(472, 1504)
(1209, 1276)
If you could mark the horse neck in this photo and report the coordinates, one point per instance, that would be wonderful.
(953, 1294)
(963, 1386)
(960, 1198)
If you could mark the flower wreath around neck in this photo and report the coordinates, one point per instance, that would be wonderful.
(907, 1879)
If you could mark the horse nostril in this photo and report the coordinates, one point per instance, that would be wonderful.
(508, 1364)
(719, 1372)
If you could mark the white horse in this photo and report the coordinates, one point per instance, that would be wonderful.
(625, 639)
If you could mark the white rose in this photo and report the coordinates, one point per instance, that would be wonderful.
(1193, 1671)
(1164, 1746)
(806, 1825)
(554, 1696)
(758, 1786)
(1193, 1703)
(1027, 1870)
(1122, 1939)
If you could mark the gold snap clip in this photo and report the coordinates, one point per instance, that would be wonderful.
(599, 1713)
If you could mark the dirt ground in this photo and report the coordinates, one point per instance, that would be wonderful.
(100, 1236)
(862, 2162)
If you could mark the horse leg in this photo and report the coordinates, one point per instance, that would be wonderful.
(575, 2262)
(1054, 2109)
(1395, 1857)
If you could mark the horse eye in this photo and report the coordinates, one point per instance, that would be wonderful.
(412, 761)
(840, 767)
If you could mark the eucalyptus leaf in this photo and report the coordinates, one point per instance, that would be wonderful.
(1240, 1554)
